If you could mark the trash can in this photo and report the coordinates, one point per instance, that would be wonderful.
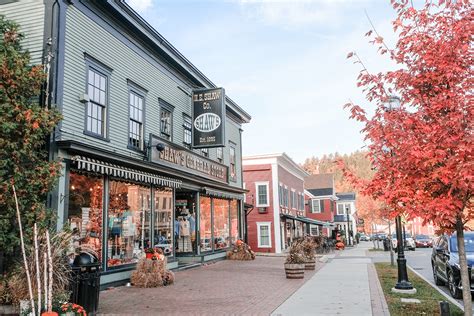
(386, 245)
(85, 282)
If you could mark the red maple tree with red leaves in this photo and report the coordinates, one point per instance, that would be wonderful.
(423, 150)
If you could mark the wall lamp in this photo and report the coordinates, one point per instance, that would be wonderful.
(159, 146)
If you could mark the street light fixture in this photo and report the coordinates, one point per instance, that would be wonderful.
(403, 283)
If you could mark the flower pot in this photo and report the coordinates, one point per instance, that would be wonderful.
(49, 314)
(294, 270)
(149, 255)
(310, 264)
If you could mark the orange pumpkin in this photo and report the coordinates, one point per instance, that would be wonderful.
(49, 314)
(239, 242)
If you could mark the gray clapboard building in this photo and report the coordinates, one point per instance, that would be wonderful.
(131, 179)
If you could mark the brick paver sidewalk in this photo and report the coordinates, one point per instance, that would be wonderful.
(227, 287)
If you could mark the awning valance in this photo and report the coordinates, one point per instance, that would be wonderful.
(98, 166)
(307, 220)
(222, 194)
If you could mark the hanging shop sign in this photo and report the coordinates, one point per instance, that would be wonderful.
(208, 118)
(182, 159)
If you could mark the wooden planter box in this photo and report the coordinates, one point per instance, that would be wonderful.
(310, 265)
(294, 270)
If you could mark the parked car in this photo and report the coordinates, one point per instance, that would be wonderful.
(445, 262)
(364, 238)
(423, 241)
(409, 242)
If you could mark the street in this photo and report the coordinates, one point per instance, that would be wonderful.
(419, 260)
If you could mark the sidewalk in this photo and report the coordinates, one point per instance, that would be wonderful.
(346, 285)
(223, 288)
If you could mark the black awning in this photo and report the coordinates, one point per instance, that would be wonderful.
(98, 166)
(305, 220)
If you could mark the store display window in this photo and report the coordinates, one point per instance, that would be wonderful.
(234, 221)
(85, 211)
(128, 222)
(205, 224)
(221, 224)
(163, 220)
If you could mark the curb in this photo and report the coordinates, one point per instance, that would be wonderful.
(452, 300)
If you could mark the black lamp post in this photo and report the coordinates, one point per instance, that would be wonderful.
(403, 283)
(348, 230)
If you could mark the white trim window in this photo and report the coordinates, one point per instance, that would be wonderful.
(341, 208)
(264, 234)
(315, 206)
(292, 199)
(261, 190)
(302, 202)
(280, 194)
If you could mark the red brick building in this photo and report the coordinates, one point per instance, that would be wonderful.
(276, 190)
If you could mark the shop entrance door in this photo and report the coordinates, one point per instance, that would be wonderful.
(185, 223)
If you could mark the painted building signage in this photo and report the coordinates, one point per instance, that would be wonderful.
(180, 158)
(208, 118)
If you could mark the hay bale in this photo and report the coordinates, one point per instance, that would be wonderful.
(151, 273)
(168, 278)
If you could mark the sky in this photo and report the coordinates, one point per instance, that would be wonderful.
(282, 61)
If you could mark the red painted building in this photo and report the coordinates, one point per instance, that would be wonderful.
(276, 190)
(320, 198)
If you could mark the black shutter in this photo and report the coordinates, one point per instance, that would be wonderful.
(321, 205)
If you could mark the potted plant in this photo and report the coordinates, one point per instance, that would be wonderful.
(71, 309)
(149, 253)
(295, 261)
(309, 251)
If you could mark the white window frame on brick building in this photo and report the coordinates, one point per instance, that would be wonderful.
(257, 194)
(259, 235)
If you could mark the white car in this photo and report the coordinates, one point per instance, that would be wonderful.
(409, 242)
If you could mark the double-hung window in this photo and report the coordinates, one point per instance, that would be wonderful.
(280, 194)
(316, 206)
(262, 194)
(96, 112)
(136, 105)
(187, 127)
(293, 199)
(233, 171)
(263, 235)
(166, 119)
(220, 154)
(343, 208)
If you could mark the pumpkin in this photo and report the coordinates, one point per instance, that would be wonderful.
(49, 314)
(239, 242)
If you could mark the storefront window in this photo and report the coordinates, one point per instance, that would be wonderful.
(234, 221)
(85, 212)
(205, 224)
(221, 224)
(163, 217)
(128, 222)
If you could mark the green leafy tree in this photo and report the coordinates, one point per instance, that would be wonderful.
(25, 127)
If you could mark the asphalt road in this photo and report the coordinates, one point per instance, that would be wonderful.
(420, 261)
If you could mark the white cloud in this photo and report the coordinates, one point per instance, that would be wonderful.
(297, 13)
(140, 5)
